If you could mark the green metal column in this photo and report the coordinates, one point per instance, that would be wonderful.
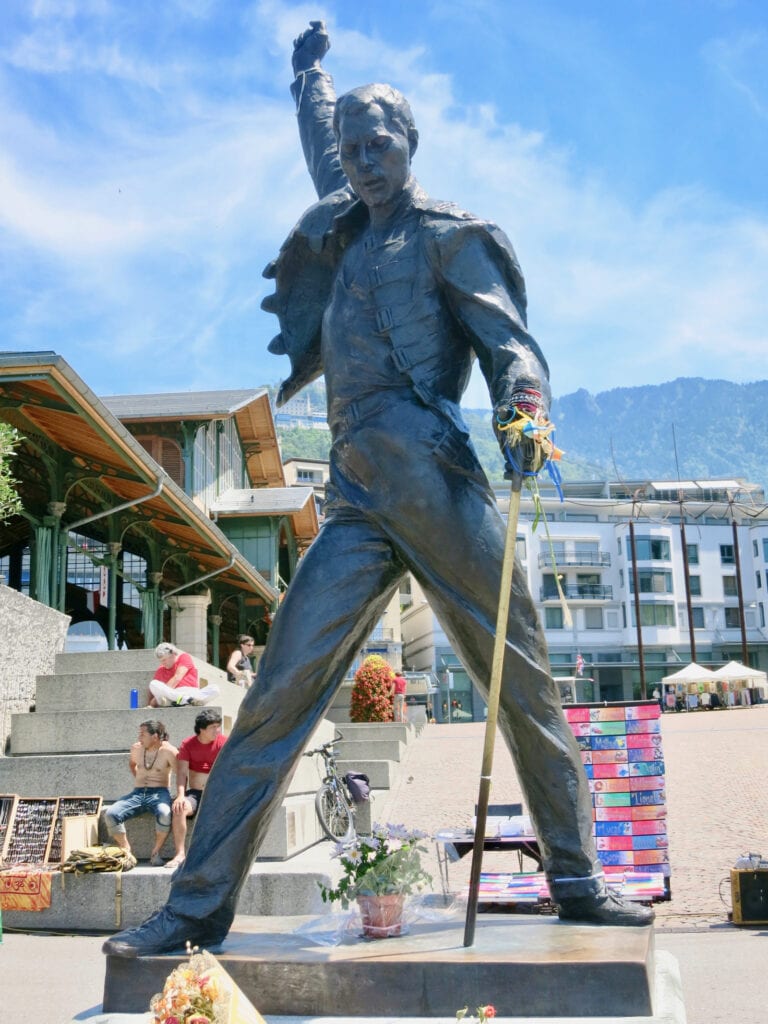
(215, 621)
(114, 551)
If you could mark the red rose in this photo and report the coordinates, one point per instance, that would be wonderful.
(490, 1011)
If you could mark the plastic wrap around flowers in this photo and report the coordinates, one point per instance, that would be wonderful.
(385, 863)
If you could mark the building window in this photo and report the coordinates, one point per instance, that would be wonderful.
(587, 552)
(754, 548)
(758, 580)
(693, 554)
(618, 546)
(549, 587)
(765, 549)
(652, 581)
(652, 549)
(520, 550)
(732, 620)
(167, 452)
(694, 583)
(553, 618)
(593, 618)
(621, 577)
(655, 615)
(761, 609)
(727, 556)
(698, 618)
(729, 586)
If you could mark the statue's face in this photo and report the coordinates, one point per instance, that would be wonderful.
(375, 156)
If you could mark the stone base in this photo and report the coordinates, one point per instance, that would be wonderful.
(525, 967)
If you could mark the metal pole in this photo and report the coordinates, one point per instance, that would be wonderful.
(740, 592)
(494, 689)
(688, 602)
(636, 584)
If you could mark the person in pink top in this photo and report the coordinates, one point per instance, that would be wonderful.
(399, 687)
(176, 680)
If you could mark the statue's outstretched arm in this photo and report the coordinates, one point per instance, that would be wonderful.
(315, 99)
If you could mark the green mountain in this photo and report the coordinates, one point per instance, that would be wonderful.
(689, 428)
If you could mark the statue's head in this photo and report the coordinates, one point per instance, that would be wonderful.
(377, 138)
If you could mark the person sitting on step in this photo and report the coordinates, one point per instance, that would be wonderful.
(194, 762)
(151, 762)
(176, 680)
(239, 666)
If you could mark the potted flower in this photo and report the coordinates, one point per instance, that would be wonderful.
(380, 870)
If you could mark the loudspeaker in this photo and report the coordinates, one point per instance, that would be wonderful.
(749, 895)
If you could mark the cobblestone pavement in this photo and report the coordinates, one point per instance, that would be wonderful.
(717, 800)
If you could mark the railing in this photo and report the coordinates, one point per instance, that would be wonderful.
(382, 633)
(600, 560)
(578, 592)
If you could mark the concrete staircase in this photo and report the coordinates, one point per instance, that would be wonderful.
(75, 743)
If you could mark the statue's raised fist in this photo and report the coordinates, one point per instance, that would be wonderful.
(310, 47)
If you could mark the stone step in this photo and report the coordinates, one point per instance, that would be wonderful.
(371, 750)
(97, 690)
(105, 661)
(294, 829)
(376, 731)
(107, 902)
(107, 775)
(380, 773)
(100, 731)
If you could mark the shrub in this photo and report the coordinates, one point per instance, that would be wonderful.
(372, 691)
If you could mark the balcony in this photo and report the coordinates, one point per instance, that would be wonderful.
(564, 559)
(578, 592)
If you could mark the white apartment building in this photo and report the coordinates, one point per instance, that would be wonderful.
(712, 613)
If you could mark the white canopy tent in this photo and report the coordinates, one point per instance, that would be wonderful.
(692, 673)
(735, 672)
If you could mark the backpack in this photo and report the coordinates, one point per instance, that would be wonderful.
(99, 858)
(359, 786)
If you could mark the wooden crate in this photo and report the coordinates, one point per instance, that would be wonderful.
(32, 832)
(7, 813)
(77, 832)
(72, 807)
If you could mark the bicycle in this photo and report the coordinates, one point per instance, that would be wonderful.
(333, 802)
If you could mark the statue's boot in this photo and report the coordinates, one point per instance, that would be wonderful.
(604, 908)
(167, 932)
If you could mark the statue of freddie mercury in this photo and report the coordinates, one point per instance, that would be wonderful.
(390, 295)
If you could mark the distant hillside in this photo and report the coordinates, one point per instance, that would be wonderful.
(721, 430)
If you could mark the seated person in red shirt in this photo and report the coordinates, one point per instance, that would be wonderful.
(193, 765)
(176, 682)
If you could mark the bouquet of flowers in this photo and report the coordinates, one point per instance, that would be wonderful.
(201, 992)
(385, 863)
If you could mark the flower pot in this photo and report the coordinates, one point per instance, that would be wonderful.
(382, 915)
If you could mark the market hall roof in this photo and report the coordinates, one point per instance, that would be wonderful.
(51, 406)
(296, 502)
(250, 408)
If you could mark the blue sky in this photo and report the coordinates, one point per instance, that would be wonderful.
(150, 169)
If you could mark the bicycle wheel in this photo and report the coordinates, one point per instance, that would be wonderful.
(334, 813)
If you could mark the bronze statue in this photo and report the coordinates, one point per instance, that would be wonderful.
(390, 295)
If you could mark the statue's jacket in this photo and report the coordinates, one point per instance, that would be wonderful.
(444, 292)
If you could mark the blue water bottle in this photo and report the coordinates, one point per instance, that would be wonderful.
(134, 698)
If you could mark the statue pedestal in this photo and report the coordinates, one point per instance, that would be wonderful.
(524, 966)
